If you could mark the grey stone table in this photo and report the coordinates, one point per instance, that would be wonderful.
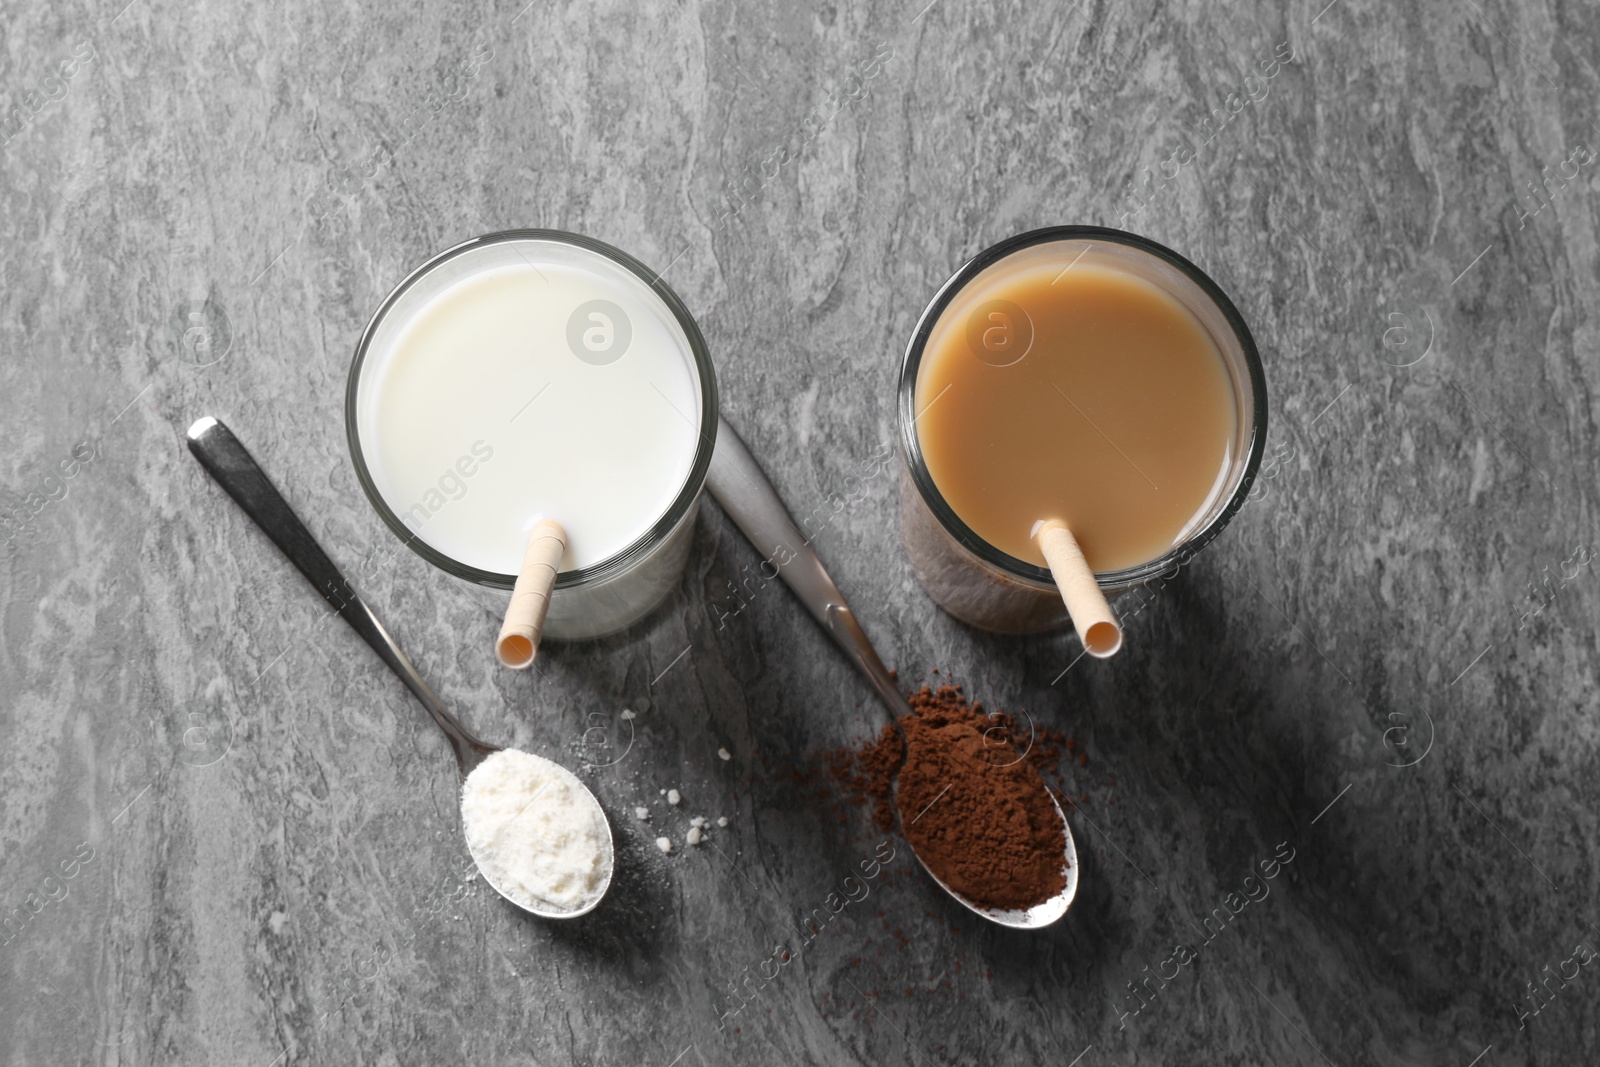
(230, 837)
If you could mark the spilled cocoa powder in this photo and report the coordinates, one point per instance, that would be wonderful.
(972, 801)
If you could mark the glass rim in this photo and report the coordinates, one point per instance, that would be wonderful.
(676, 511)
(911, 449)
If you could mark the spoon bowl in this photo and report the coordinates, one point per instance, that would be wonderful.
(547, 909)
(1025, 918)
(742, 488)
(227, 460)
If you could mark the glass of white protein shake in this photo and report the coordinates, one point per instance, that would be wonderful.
(529, 375)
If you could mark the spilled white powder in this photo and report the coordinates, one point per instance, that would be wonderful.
(536, 832)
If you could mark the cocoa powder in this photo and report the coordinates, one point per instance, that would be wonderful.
(971, 799)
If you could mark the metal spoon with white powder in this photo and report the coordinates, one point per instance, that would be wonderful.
(535, 831)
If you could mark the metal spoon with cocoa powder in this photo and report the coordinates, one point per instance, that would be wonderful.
(742, 488)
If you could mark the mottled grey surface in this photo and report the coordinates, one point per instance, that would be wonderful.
(1387, 663)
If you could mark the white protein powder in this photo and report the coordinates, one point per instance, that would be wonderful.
(536, 832)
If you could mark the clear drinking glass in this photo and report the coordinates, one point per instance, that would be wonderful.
(993, 590)
(621, 589)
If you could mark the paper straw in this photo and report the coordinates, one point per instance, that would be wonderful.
(1098, 628)
(518, 642)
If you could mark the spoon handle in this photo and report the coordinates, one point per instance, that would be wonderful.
(227, 460)
(742, 488)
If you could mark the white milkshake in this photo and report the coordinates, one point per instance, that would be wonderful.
(523, 380)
